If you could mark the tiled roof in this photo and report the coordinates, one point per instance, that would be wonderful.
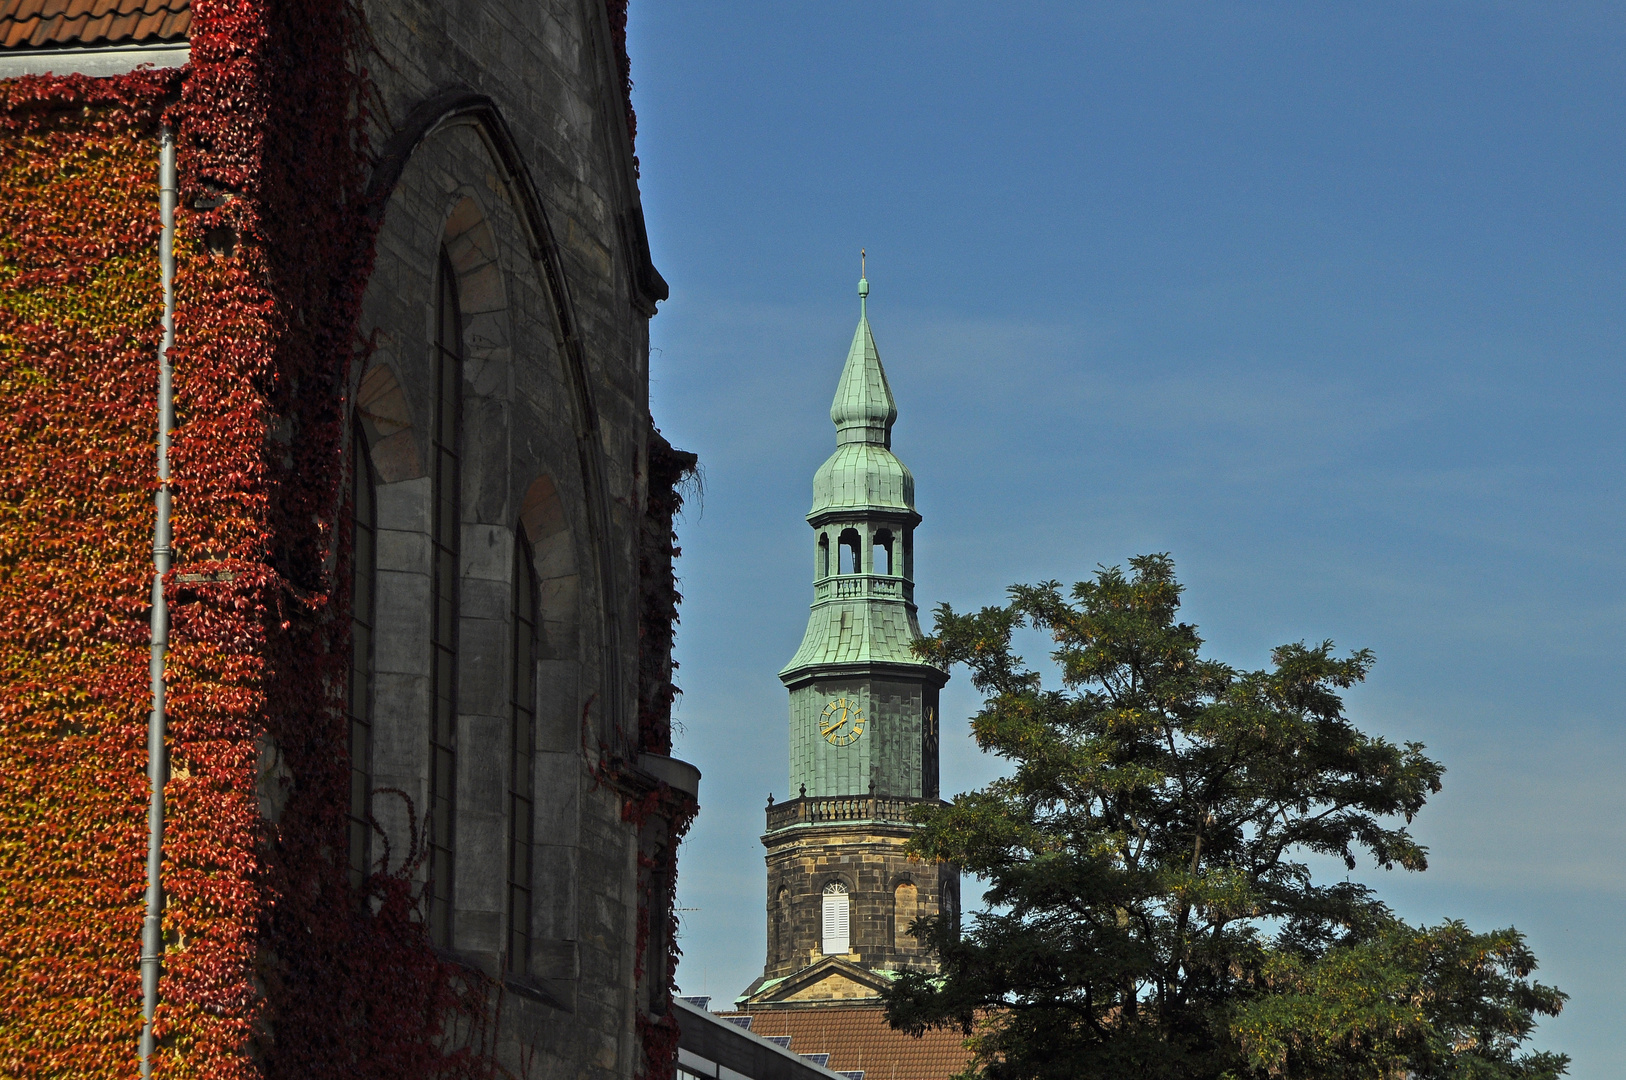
(859, 1038)
(28, 24)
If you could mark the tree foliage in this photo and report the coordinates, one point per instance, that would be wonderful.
(1151, 909)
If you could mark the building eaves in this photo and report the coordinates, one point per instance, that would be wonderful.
(61, 24)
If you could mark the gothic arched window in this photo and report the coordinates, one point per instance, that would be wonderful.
(522, 758)
(837, 938)
(363, 562)
(445, 441)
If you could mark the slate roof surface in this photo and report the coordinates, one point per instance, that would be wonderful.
(26, 24)
(858, 1037)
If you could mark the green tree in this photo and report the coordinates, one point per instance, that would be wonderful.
(1150, 910)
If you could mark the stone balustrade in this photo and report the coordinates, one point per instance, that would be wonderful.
(829, 809)
(863, 587)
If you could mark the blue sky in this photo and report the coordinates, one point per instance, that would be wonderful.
(1324, 299)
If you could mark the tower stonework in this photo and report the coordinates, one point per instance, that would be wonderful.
(863, 726)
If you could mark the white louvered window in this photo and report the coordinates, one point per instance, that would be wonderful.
(835, 918)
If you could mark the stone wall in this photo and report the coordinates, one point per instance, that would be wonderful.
(504, 144)
(886, 891)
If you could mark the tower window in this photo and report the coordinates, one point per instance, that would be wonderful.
(448, 522)
(881, 555)
(824, 555)
(851, 546)
(521, 782)
(905, 903)
(363, 558)
(781, 911)
(836, 935)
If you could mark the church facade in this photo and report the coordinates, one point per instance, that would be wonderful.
(842, 894)
(337, 550)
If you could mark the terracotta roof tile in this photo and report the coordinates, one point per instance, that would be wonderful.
(858, 1037)
(60, 23)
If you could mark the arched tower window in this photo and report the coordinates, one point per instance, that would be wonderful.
(445, 442)
(882, 553)
(781, 912)
(522, 758)
(946, 905)
(905, 907)
(824, 555)
(851, 549)
(836, 921)
(363, 564)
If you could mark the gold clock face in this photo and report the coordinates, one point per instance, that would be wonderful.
(842, 722)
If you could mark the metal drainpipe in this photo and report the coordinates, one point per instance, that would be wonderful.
(152, 932)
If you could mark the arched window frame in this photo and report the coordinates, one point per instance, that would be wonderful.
(905, 908)
(823, 564)
(446, 529)
(946, 905)
(851, 554)
(881, 553)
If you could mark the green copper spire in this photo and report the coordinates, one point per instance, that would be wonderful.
(863, 410)
(864, 517)
(862, 704)
(863, 474)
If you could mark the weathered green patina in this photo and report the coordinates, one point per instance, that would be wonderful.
(858, 647)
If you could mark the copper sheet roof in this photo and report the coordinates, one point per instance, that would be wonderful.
(26, 24)
(858, 1037)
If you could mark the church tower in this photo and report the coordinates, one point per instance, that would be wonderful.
(863, 725)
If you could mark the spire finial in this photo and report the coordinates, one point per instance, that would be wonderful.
(863, 284)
